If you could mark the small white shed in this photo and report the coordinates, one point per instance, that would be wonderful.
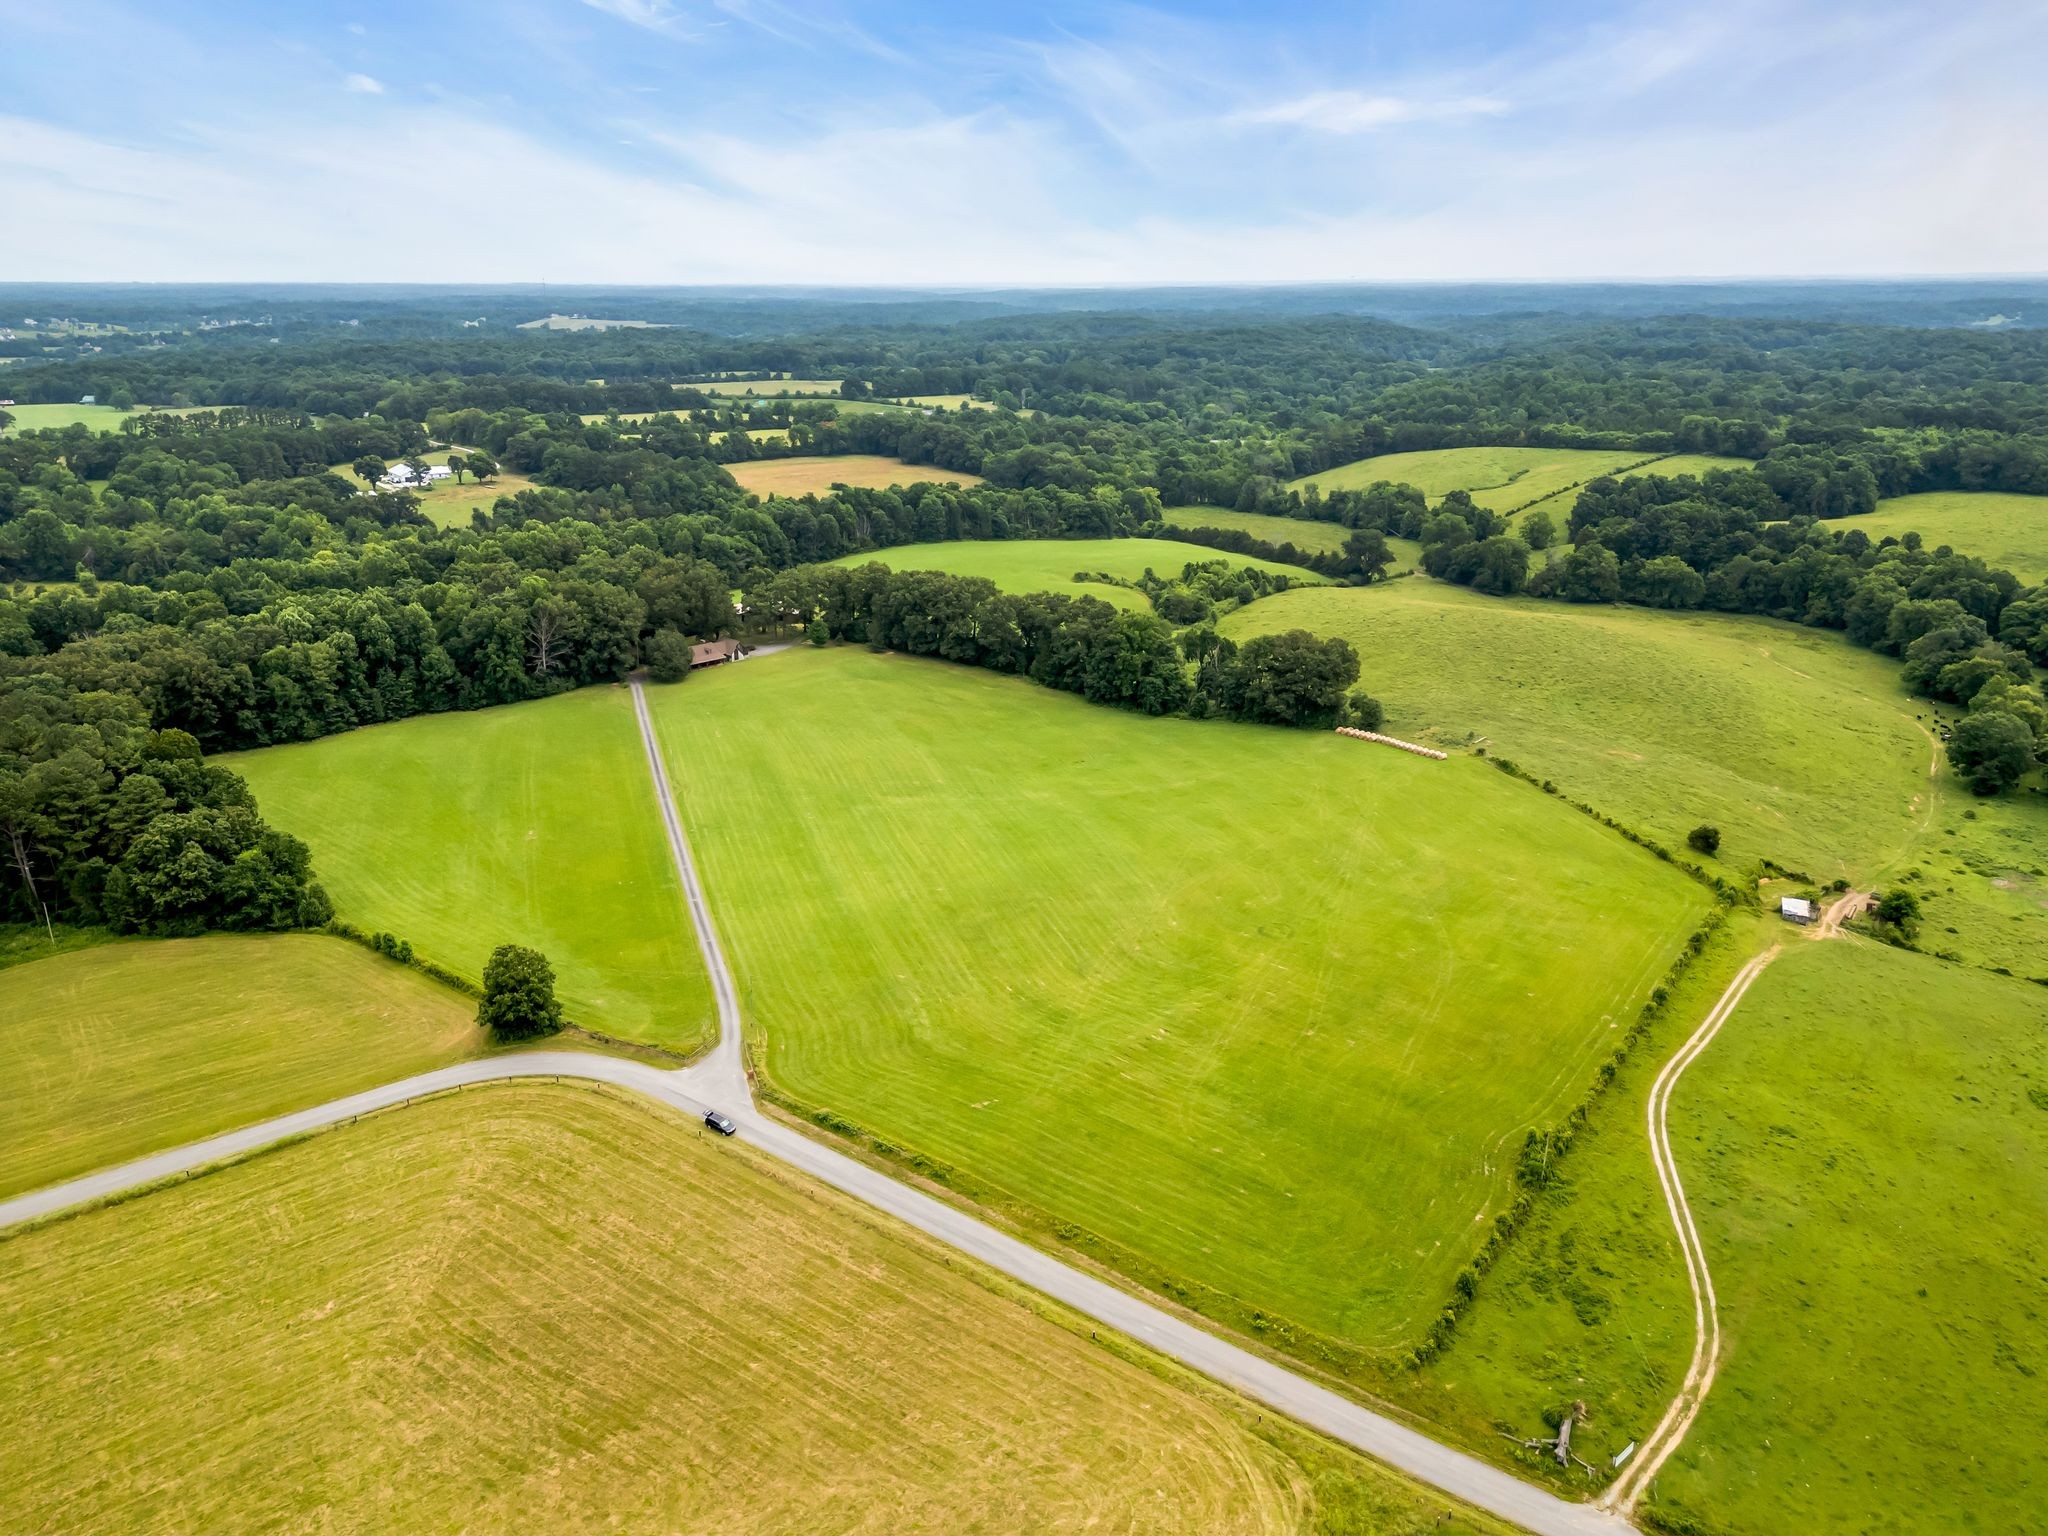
(1795, 909)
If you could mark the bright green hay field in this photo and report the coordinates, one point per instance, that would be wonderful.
(1505, 479)
(536, 1308)
(1799, 746)
(1237, 1001)
(101, 418)
(815, 474)
(1866, 1151)
(534, 824)
(2002, 530)
(1316, 538)
(1049, 565)
(124, 1049)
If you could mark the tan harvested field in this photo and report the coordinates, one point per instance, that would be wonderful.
(816, 474)
(125, 1049)
(530, 1308)
(946, 402)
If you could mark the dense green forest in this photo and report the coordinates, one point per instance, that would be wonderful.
(190, 583)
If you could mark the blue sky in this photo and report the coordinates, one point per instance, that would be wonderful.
(718, 141)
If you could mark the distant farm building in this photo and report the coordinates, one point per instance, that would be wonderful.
(88, 399)
(398, 474)
(1795, 909)
(712, 652)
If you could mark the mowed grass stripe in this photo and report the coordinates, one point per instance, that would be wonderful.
(533, 824)
(1239, 1001)
(125, 1049)
(540, 1308)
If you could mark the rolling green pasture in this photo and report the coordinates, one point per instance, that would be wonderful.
(1233, 1007)
(124, 1049)
(815, 474)
(1800, 747)
(1505, 479)
(2003, 530)
(101, 418)
(487, 1323)
(1049, 565)
(1981, 873)
(1866, 1151)
(1302, 532)
(533, 824)
(1695, 464)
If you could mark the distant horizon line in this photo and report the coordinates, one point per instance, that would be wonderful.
(1250, 284)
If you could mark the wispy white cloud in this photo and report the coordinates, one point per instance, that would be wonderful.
(1824, 143)
(363, 85)
(810, 25)
(1356, 112)
(654, 15)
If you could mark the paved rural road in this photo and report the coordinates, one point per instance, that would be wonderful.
(720, 1081)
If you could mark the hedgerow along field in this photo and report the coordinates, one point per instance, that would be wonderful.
(534, 1307)
(124, 1049)
(1866, 1150)
(815, 474)
(1229, 1006)
(533, 824)
(1507, 479)
(1050, 565)
(2005, 531)
(1798, 746)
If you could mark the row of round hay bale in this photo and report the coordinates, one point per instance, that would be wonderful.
(1392, 741)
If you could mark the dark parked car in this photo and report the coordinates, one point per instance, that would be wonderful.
(719, 1123)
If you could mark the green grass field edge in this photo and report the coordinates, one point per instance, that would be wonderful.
(1378, 1371)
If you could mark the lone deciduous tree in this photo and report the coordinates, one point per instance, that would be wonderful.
(1991, 751)
(519, 994)
(1704, 839)
(668, 656)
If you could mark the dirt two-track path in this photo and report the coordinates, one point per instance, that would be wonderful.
(1627, 1490)
(719, 1081)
